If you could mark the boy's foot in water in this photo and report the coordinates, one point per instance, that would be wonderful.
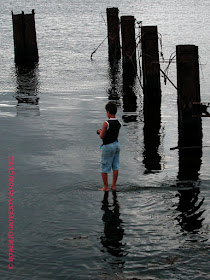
(113, 188)
(104, 189)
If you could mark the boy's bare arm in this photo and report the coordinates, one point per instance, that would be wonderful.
(102, 131)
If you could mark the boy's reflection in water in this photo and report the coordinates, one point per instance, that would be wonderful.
(113, 230)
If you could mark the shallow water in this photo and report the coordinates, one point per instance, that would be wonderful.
(157, 226)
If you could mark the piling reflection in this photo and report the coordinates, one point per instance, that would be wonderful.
(27, 87)
(124, 86)
(129, 96)
(129, 91)
(190, 148)
(114, 77)
(113, 230)
(152, 138)
(189, 205)
(190, 155)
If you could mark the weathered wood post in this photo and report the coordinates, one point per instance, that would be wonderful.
(113, 33)
(190, 128)
(129, 62)
(24, 34)
(188, 84)
(152, 98)
(150, 66)
(128, 43)
(188, 92)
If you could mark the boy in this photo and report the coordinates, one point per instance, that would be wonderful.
(110, 147)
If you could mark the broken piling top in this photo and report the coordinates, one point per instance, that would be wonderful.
(113, 33)
(24, 35)
(188, 84)
(128, 39)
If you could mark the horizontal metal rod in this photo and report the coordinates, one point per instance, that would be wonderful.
(201, 116)
(190, 147)
(202, 103)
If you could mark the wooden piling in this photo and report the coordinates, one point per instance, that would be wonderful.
(113, 33)
(150, 65)
(152, 98)
(128, 43)
(152, 136)
(188, 92)
(129, 62)
(24, 35)
(190, 127)
(188, 84)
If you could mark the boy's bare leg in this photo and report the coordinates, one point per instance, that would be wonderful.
(114, 180)
(105, 181)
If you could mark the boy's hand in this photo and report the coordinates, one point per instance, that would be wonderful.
(102, 131)
(98, 131)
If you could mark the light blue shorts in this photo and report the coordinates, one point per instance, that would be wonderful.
(110, 157)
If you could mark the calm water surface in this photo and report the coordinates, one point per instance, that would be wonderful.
(157, 226)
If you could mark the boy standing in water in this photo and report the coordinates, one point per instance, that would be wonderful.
(110, 147)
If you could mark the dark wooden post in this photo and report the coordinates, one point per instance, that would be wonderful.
(24, 34)
(129, 62)
(152, 98)
(128, 42)
(188, 84)
(150, 65)
(113, 33)
(190, 128)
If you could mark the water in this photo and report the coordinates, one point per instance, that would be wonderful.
(158, 225)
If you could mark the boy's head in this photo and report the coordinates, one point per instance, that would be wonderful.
(111, 107)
